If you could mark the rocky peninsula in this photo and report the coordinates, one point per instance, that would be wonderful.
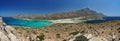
(65, 28)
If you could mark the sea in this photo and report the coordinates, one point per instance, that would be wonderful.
(26, 23)
(44, 23)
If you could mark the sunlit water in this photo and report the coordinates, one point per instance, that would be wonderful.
(44, 23)
(26, 23)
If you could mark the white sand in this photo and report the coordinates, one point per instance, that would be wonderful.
(73, 20)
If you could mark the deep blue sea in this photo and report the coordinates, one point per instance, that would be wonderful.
(26, 23)
(105, 19)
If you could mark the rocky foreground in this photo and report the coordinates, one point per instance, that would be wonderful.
(7, 33)
(107, 31)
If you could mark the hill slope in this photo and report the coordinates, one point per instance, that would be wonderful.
(86, 12)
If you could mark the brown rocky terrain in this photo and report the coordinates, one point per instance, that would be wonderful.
(107, 31)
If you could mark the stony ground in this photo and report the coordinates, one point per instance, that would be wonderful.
(107, 31)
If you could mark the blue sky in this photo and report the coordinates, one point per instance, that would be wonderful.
(15, 7)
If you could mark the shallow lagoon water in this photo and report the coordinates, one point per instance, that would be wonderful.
(26, 23)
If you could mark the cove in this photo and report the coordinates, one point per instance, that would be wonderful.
(26, 23)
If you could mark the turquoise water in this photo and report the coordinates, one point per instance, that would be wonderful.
(44, 23)
(26, 23)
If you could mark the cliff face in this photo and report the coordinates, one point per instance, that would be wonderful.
(7, 33)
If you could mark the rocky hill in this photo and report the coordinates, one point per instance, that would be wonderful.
(7, 33)
(86, 12)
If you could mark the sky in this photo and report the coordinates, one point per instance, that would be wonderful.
(15, 7)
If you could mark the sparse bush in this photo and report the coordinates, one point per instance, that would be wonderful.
(75, 33)
(64, 40)
(41, 37)
(81, 38)
(58, 35)
(33, 32)
(90, 27)
(82, 31)
(118, 28)
(47, 31)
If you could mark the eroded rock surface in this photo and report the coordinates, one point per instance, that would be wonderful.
(7, 33)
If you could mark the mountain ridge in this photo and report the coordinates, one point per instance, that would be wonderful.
(86, 12)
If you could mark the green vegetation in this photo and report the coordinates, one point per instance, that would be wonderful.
(58, 35)
(40, 37)
(33, 32)
(75, 33)
(64, 40)
(118, 28)
(82, 31)
(81, 38)
(47, 31)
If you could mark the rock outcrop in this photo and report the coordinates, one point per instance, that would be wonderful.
(7, 33)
